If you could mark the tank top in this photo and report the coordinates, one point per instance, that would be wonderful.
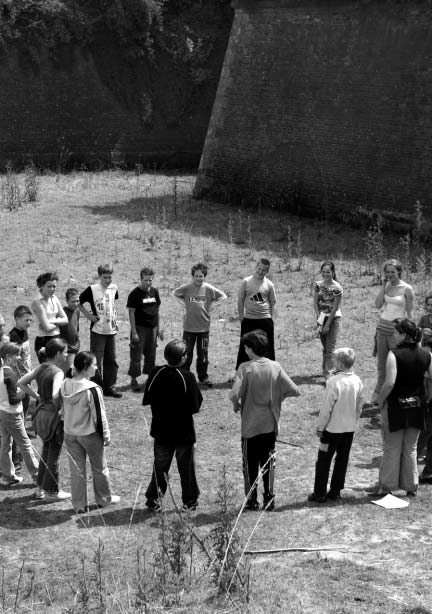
(44, 379)
(50, 307)
(394, 307)
(412, 362)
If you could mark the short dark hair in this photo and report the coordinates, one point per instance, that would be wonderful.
(174, 352)
(146, 271)
(257, 341)
(331, 266)
(22, 310)
(408, 328)
(83, 360)
(264, 261)
(45, 277)
(71, 292)
(396, 263)
(199, 267)
(105, 268)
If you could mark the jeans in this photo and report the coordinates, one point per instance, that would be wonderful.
(259, 452)
(12, 428)
(328, 342)
(247, 326)
(331, 443)
(48, 474)
(163, 455)
(399, 460)
(79, 447)
(145, 346)
(104, 348)
(202, 343)
(384, 343)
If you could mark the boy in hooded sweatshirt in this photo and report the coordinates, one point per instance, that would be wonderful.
(86, 433)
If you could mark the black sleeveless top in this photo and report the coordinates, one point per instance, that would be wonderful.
(412, 362)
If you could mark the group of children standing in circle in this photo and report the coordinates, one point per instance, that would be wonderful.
(72, 384)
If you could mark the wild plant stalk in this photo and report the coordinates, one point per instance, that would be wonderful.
(374, 244)
(175, 198)
(249, 235)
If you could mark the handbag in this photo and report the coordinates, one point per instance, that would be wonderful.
(46, 420)
(405, 412)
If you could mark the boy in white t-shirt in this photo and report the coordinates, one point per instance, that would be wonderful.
(198, 297)
(337, 422)
(103, 328)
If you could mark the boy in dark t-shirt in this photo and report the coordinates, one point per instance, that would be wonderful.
(23, 317)
(70, 331)
(174, 396)
(143, 306)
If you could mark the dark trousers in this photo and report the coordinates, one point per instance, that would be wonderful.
(247, 326)
(202, 344)
(40, 342)
(48, 473)
(145, 346)
(163, 455)
(331, 444)
(424, 444)
(259, 453)
(104, 348)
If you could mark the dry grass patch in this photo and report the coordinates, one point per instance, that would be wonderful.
(108, 561)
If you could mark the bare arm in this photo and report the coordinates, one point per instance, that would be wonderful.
(409, 297)
(316, 308)
(61, 319)
(25, 381)
(57, 382)
(429, 390)
(241, 301)
(45, 324)
(390, 378)
(134, 334)
(88, 314)
(379, 301)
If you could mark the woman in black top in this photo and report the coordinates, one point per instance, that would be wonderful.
(402, 402)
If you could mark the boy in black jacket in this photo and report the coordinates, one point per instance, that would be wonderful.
(174, 396)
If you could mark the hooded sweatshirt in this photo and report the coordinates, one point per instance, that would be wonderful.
(78, 408)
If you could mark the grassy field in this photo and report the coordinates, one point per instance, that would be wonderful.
(366, 559)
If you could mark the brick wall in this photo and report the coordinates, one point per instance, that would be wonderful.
(325, 107)
(93, 108)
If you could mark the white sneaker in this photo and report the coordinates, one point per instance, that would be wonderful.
(61, 495)
(11, 481)
(114, 499)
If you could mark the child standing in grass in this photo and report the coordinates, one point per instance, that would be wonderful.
(70, 331)
(259, 388)
(23, 319)
(103, 328)
(198, 297)
(174, 396)
(12, 419)
(337, 421)
(143, 305)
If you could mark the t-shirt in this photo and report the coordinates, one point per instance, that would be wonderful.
(102, 303)
(174, 397)
(146, 304)
(20, 337)
(198, 300)
(259, 295)
(70, 331)
(425, 322)
(327, 295)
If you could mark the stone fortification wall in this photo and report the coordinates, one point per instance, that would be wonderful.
(324, 107)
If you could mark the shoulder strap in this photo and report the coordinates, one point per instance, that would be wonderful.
(99, 426)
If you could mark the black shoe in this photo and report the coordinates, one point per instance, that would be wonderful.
(251, 506)
(411, 493)
(333, 496)
(425, 480)
(317, 498)
(268, 503)
(112, 393)
(154, 506)
(205, 381)
(190, 507)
